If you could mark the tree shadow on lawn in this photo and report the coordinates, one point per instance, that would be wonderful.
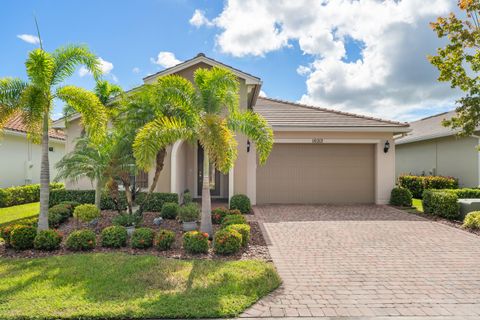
(137, 285)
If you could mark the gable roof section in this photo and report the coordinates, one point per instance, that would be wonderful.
(289, 115)
(429, 128)
(15, 124)
(250, 79)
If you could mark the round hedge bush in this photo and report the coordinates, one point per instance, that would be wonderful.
(218, 214)
(86, 212)
(48, 240)
(227, 241)
(233, 219)
(169, 210)
(127, 220)
(241, 202)
(71, 205)
(401, 197)
(165, 239)
(55, 219)
(22, 237)
(195, 242)
(142, 238)
(472, 220)
(243, 229)
(64, 209)
(81, 240)
(114, 237)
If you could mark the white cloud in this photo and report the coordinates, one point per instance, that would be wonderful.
(198, 19)
(29, 38)
(165, 59)
(105, 66)
(114, 78)
(391, 78)
(136, 70)
(262, 94)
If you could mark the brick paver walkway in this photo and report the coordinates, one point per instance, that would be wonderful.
(368, 261)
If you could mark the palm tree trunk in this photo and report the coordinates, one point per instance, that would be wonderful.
(206, 222)
(98, 193)
(128, 194)
(44, 177)
(159, 161)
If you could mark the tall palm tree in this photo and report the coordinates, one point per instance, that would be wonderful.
(34, 100)
(213, 118)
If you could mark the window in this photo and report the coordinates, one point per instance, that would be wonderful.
(141, 179)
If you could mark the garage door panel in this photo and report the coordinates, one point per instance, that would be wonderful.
(309, 173)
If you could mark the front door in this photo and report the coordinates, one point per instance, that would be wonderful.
(214, 176)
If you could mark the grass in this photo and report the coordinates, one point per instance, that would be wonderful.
(118, 285)
(22, 211)
(417, 203)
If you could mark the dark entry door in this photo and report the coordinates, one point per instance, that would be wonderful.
(214, 176)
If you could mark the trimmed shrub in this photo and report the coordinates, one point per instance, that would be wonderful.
(71, 205)
(187, 197)
(472, 220)
(81, 240)
(86, 212)
(165, 239)
(241, 202)
(401, 197)
(58, 214)
(243, 229)
(169, 210)
(218, 214)
(23, 194)
(22, 237)
(417, 184)
(233, 219)
(114, 237)
(234, 211)
(156, 201)
(189, 212)
(5, 233)
(227, 241)
(48, 240)
(441, 203)
(195, 242)
(142, 238)
(466, 193)
(127, 220)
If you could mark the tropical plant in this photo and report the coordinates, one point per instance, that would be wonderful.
(208, 113)
(34, 100)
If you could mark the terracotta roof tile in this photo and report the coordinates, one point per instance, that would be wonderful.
(15, 124)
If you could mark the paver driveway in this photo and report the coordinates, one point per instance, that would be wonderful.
(368, 261)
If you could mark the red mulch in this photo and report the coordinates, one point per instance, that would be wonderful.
(257, 248)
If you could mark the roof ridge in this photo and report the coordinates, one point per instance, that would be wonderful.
(334, 111)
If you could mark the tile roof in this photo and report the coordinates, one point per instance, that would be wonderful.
(281, 113)
(428, 128)
(15, 124)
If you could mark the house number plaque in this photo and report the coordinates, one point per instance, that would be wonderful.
(317, 140)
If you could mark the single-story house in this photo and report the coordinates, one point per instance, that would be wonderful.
(319, 155)
(432, 149)
(20, 158)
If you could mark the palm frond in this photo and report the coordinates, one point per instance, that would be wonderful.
(156, 135)
(67, 59)
(219, 142)
(106, 90)
(256, 128)
(11, 91)
(94, 115)
(218, 89)
(34, 106)
(40, 67)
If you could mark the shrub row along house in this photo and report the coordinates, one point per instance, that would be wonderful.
(319, 155)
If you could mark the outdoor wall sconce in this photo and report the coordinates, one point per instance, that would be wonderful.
(386, 146)
(248, 145)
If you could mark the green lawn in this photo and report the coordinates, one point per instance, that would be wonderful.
(11, 214)
(127, 286)
(417, 203)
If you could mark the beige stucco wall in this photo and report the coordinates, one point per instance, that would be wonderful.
(384, 162)
(20, 159)
(449, 156)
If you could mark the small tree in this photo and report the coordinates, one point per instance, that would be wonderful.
(459, 63)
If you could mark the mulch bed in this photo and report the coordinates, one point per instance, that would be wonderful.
(257, 248)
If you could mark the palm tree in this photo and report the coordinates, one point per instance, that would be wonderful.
(213, 118)
(34, 100)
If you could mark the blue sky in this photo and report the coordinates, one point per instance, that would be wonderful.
(269, 44)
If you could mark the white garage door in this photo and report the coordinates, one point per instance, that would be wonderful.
(317, 173)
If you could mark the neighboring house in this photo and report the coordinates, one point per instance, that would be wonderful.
(20, 158)
(432, 149)
(319, 155)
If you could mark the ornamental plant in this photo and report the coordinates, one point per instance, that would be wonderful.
(81, 240)
(195, 242)
(472, 220)
(48, 240)
(218, 214)
(142, 238)
(165, 239)
(241, 202)
(169, 210)
(22, 237)
(189, 212)
(243, 229)
(233, 219)
(114, 237)
(401, 197)
(127, 220)
(227, 241)
(5, 233)
(86, 212)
